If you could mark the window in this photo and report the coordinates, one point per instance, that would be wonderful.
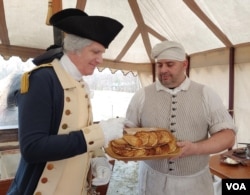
(111, 93)
(10, 74)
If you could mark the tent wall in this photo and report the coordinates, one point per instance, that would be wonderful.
(208, 30)
(212, 69)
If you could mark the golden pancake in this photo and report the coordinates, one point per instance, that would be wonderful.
(163, 136)
(153, 139)
(117, 145)
(165, 149)
(120, 141)
(133, 140)
(144, 143)
(144, 136)
(172, 145)
(140, 152)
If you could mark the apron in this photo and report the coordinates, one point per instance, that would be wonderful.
(152, 182)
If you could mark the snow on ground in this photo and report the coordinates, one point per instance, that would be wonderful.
(109, 104)
(124, 179)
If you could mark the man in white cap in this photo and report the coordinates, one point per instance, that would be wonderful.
(193, 113)
(58, 140)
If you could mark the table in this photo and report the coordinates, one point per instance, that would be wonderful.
(4, 186)
(225, 171)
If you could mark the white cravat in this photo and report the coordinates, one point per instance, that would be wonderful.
(70, 68)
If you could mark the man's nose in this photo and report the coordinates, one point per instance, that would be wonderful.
(99, 59)
(164, 68)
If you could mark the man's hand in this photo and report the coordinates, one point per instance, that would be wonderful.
(187, 149)
(112, 129)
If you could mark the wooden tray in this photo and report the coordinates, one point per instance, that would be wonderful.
(132, 131)
(110, 152)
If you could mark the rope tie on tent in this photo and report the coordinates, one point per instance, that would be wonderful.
(50, 12)
(25, 78)
(53, 7)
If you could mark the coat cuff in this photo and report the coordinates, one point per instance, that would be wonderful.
(94, 137)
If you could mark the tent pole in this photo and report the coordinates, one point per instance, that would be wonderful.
(54, 7)
(188, 68)
(231, 81)
(153, 71)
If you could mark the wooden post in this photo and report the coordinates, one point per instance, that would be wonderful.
(53, 7)
(231, 81)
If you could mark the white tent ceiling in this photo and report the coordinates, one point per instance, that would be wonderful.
(215, 34)
(200, 25)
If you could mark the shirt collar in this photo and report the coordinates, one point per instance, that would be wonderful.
(70, 68)
(182, 87)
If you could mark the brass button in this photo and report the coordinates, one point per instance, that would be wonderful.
(50, 166)
(89, 106)
(91, 142)
(67, 112)
(64, 126)
(86, 96)
(38, 193)
(44, 180)
(67, 99)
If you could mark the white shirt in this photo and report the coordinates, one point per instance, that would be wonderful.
(70, 68)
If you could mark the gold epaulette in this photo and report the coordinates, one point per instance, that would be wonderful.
(25, 78)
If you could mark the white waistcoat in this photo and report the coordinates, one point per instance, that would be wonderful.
(69, 176)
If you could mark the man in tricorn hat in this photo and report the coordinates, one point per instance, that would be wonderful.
(193, 113)
(58, 141)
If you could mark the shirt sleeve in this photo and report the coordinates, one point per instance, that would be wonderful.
(135, 107)
(218, 116)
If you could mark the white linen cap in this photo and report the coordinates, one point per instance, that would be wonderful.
(170, 50)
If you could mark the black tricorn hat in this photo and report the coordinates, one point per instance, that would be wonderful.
(97, 28)
(66, 13)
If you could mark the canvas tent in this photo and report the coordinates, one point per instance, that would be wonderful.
(215, 34)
